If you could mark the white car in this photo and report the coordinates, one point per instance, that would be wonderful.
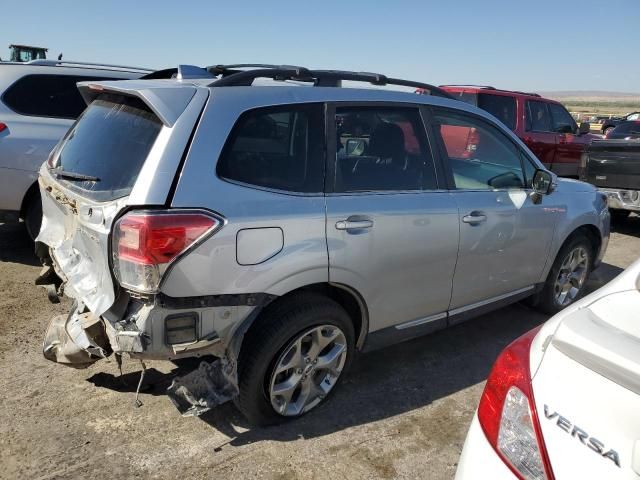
(563, 400)
(39, 101)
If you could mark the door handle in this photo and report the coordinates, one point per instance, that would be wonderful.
(474, 218)
(353, 224)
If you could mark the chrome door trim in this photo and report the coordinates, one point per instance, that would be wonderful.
(488, 301)
(421, 321)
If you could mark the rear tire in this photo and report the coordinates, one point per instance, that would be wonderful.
(607, 130)
(33, 215)
(566, 281)
(276, 342)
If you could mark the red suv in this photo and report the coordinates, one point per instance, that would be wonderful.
(544, 125)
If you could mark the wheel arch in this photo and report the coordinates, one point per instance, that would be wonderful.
(346, 296)
(31, 192)
(591, 232)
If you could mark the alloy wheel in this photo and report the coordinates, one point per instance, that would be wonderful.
(572, 276)
(307, 370)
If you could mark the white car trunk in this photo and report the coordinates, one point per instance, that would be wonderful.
(587, 390)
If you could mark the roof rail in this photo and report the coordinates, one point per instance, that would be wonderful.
(321, 78)
(487, 87)
(74, 64)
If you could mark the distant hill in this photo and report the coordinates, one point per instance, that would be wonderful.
(597, 101)
(590, 93)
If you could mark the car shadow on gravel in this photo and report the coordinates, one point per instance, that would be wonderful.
(16, 246)
(404, 377)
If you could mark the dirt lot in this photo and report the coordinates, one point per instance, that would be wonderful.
(402, 412)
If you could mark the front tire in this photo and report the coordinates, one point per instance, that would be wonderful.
(566, 281)
(292, 359)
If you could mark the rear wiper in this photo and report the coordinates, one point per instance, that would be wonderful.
(59, 172)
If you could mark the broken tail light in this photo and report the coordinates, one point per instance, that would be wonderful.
(507, 413)
(145, 243)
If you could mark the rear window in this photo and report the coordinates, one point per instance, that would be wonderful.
(110, 141)
(47, 96)
(502, 107)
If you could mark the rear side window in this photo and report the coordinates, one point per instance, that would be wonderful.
(500, 106)
(110, 141)
(277, 147)
(382, 149)
(47, 96)
(562, 120)
(466, 97)
(538, 119)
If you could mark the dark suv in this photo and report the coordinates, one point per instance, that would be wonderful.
(544, 125)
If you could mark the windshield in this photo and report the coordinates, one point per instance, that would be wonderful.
(108, 144)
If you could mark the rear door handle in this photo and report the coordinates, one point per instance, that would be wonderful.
(474, 218)
(353, 224)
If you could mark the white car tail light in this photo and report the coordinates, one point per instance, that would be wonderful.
(145, 243)
(507, 413)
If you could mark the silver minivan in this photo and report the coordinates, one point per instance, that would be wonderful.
(283, 228)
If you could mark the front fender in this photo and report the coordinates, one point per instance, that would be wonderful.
(579, 205)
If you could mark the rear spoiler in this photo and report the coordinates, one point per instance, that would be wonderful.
(167, 101)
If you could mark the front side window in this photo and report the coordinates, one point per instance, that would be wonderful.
(382, 149)
(480, 156)
(54, 96)
(538, 119)
(562, 120)
(279, 148)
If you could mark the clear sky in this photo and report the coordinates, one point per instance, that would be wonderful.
(538, 45)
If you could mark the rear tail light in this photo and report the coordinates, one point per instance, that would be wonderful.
(145, 243)
(507, 413)
(3, 126)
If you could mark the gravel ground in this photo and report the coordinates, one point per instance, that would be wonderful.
(402, 412)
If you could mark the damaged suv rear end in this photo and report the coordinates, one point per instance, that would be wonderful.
(110, 254)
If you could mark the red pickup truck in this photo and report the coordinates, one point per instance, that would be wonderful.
(544, 125)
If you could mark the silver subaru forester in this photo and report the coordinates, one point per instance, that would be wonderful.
(276, 229)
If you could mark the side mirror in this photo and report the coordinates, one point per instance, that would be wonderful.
(542, 182)
(585, 127)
